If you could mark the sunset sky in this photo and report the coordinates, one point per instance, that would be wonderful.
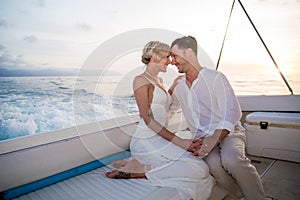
(61, 34)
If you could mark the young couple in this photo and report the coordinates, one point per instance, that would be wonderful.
(212, 111)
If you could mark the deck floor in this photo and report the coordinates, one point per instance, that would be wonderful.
(281, 180)
(94, 185)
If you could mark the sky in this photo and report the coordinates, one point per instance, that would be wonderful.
(62, 34)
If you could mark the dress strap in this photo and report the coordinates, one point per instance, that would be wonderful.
(148, 79)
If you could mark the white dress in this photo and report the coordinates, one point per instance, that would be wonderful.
(172, 166)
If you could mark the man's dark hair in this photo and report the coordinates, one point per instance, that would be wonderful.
(185, 43)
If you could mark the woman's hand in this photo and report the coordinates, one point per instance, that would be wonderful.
(207, 145)
(183, 143)
(175, 82)
(196, 145)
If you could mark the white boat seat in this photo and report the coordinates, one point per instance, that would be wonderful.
(273, 135)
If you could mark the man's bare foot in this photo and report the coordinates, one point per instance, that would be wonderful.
(119, 163)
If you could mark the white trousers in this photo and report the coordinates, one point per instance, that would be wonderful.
(233, 170)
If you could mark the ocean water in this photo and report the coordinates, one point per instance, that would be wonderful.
(33, 105)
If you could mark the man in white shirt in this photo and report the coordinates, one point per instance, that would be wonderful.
(213, 112)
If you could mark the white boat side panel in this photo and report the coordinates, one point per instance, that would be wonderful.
(54, 136)
(288, 103)
(101, 144)
(31, 164)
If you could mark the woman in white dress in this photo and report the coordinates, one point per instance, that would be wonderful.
(158, 154)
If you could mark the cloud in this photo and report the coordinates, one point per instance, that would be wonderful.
(40, 3)
(3, 23)
(2, 48)
(83, 27)
(9, 61)
(30, 39)
(11, 65)
(24, 12)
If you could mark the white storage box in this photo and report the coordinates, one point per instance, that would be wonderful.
(273, 135)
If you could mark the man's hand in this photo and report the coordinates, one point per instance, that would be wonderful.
(209, 142)
(196, 145)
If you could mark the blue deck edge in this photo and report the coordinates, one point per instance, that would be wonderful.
(30, 187)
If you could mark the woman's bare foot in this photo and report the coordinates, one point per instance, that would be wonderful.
(132, 169)
(119, 163)
(124, 175)
(118, 174)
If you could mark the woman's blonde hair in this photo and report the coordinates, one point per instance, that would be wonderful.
(155, 48)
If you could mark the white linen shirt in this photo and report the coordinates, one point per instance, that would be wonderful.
(209, 104)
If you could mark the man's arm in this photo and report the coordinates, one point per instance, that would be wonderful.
(228, 105)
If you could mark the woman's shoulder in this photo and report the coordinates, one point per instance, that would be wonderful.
(140, 81)
(140, 78)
